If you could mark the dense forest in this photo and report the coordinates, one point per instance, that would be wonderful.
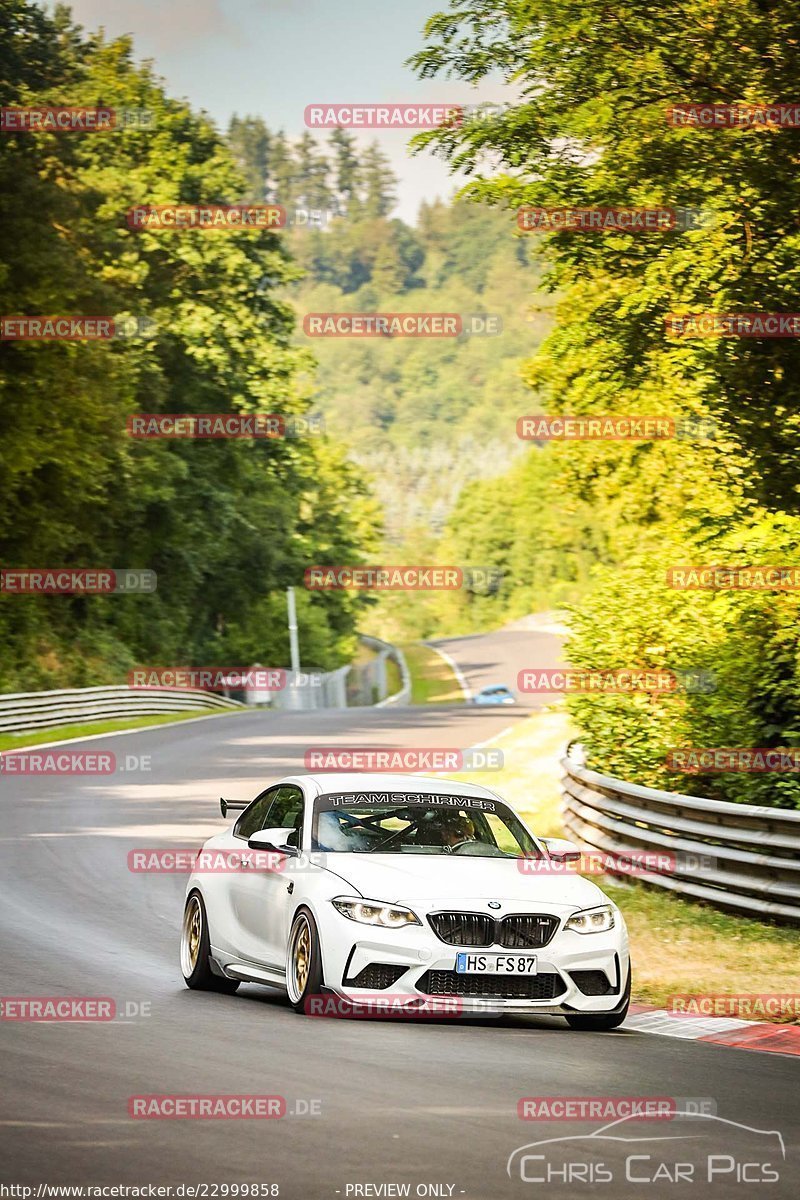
(591, 128)
(423, 417)
(225, 525)
(433, 470)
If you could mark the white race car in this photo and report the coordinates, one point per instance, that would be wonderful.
(413, 888)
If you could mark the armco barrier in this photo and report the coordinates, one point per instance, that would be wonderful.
(42, 710)
(315, 689)
(740, 857)
(360, 684)
(21, 711)
(387, 650)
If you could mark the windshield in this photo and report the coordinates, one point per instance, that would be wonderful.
(419, 823)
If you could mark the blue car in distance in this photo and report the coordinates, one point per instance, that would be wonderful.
(495, 693)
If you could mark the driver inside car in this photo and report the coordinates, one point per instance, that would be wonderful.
(456, 828)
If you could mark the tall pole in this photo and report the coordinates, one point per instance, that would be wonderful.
(294, 648)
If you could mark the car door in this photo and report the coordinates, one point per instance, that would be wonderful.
(261, 897)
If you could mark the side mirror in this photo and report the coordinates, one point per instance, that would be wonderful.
(273, 839)
(561, 850)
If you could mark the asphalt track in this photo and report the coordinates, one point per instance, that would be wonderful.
(416, 1103)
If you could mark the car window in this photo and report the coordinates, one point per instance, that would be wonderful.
(276, 807)
(501, 834)
(287, 809)
(253, 818)
(418, 823)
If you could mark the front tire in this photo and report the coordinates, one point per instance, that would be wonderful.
(599, 1022)
(196, 951)
(303, 961)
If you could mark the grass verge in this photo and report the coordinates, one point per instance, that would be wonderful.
(432, 679)
(677, 946)
(394, 680)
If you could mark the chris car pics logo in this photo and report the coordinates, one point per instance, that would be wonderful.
(693, 1147)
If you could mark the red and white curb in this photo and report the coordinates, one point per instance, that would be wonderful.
(725, 1031)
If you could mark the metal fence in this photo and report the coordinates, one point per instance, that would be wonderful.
(384, 651)
(305, 690)
(71, 706)
(740, 857)
(357, 685)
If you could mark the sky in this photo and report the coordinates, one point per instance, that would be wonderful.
(271, 58)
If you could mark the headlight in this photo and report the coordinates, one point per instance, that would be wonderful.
(375, 912)
(592, 920)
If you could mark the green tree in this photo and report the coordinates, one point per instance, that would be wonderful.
(249, 140)
(283, 172)
(378, 183)
(599, 85)
(312, 175)
(590, 129)
(226, 525)
(346, 170)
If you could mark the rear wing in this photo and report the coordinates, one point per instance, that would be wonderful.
(227, 806)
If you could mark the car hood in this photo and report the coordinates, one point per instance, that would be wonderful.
(405, 878)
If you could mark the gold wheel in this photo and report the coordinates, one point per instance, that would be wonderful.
(303, 957)
(301, 949)
(191, 936)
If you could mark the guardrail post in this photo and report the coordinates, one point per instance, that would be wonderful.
(741, 857)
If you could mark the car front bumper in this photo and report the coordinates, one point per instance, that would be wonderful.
(425, 970)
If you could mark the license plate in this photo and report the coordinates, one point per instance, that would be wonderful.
(495, 964)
